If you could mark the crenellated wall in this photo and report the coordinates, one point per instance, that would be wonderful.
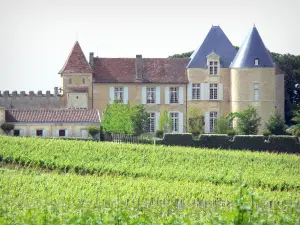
(31, 100)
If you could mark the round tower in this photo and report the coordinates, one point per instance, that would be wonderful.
(253, 78)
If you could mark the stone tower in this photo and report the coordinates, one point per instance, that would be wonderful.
(253, 78)
(76, 80)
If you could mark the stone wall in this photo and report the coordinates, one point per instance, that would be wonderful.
(31, 100)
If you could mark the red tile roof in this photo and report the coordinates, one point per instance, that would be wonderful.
(76, 62)
(155, 70)
(52, 115)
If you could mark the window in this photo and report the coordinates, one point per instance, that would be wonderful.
(62, 133)
(84, 133)
(256, 61)
(213, 67)
(70, 80)
(39, 132)
(17, 133)
(150, 94)
(151, 122)
(196, 91)
(212, 120)
(83, 80)
(174, 94)
(213, 91)
(256, 91)
(175, 122)
(119, 94)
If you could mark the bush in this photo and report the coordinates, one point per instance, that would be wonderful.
(276, 124)
(284, 143)
(179, 140)
(159, 133)
(214, 141)
(7, 127)
(93, 130)
(249, 142)
(222, 125)
(165, 122)
(195, 122)
(266, 133)
(297, 133)
(231, 132)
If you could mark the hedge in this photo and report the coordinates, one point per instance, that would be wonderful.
(184, 139)
(214, 141)
(284, 143)
(250, 142)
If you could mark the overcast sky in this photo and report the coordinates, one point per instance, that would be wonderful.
(37, 35)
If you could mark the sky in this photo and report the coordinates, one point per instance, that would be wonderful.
(38, 35)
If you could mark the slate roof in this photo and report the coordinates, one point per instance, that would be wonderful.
(252, 47)
(155, 70)
(215, 41)
(52, 115)
(76, 62)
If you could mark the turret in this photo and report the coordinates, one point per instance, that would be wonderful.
(76, 76)
(253, 78)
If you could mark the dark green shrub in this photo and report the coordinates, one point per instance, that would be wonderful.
(214, 141)
(159, 133)
(297, 133)
(179, 140)
(231, 132)
(7, 127)
(284, 143)
(276, 124)
(249, 142)
(93, 130)
(222, 125)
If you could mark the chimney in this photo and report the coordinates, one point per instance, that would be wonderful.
(138, 67)
(91, 62)
(55, 91)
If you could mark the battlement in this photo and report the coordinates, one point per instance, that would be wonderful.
(30, 94)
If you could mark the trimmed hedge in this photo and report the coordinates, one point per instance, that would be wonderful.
(185, 139)
(284, 143)
(249, 142)
(214, 141)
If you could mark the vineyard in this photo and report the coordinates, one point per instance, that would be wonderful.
(76, 182)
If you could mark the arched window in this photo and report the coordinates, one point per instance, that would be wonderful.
(256, 62)
(70, 80)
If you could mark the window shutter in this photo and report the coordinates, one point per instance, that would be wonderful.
(33, 133)
(144, 94)
(167, 98)
(206, 121)
(190, 91)
(125, 100)
(157, 114)
(202, 91)
(220, 91)
(66, 133)
(44, 132)
(206, 91)
(180, 114)
(57, 133)
(21, 132)
(111, 95)
(180, 95)
(157, 95)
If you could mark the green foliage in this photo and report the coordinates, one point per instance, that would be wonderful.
(195, 122)
(7, 127)
(165, 122)
(222, 125)
(93, 130)
(179, 140)
(276, 124)
(296, 119)
(297, 133)
(231, 132)
(183, 55)
(159, 133)
(266, 133)
(248, 121)
(124, 119)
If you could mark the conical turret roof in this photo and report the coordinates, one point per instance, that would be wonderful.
(76, 62)
(251, 49)
(216, 41)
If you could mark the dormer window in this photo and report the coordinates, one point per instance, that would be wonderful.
(256, 61)
(213, 67)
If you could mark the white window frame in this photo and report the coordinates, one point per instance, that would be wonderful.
(152, 122)
(151, 95)
(212, 120)
(213, 91)
(196, 91)
(174, 95)
(119, 94)
(175, 122)
(256, 92)
(213, 67)
(256, 62)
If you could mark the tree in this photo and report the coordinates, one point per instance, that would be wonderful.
(7, 127)
(124, 119)
(296, 119)
(222, 125)
(165, 122)
(276, 124)
(248, 120)
(195, 122)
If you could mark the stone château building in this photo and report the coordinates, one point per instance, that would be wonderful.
(216, 80)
